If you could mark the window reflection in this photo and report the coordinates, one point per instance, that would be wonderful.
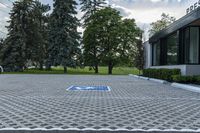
(172, 50)
(156, 54)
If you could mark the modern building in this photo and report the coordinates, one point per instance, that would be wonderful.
(177, 46)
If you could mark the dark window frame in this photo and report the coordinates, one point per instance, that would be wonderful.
(184, 62)
(181, 48)
(153, 52)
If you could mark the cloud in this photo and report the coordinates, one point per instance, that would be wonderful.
(143, 11)
(123, 11)
(148, 11)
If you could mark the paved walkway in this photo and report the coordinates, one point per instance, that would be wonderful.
(41, 102)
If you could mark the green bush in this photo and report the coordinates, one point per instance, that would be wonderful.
(197, 80)
(184, 79)
(165, 74)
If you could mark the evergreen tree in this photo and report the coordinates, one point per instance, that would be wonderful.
(26, 35)
(14, 53)
(89, 7)
(63, 36)
(40, 33)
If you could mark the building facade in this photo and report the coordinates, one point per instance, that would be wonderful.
(177, 46)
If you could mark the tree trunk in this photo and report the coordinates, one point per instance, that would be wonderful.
(65, 69)
(96, 69)
(110, 67)
(41, 65)
(48, 67)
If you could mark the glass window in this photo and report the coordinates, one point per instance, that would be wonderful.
(187, 44)
(192, 48)
(156, 54)
(172, 50)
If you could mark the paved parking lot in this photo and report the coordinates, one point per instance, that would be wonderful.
(41, 103)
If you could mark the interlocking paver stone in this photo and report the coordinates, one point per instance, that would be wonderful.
(41, 103)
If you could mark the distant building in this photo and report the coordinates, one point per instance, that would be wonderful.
(177, 46)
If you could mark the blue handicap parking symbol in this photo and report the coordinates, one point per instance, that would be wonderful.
(89, 88)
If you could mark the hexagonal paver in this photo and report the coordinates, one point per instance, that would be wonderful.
(41, 103)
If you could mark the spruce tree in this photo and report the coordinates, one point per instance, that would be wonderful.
(89, 7)
(26, 39)
(14, 52)
(40, 33)
(63, 35)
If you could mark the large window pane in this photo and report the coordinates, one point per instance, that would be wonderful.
(156, 54)
(172, 50)
(187, 44)
(192, 48)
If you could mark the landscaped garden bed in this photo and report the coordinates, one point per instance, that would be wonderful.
(171, 75)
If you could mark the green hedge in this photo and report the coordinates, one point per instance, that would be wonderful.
(165, 74)
(186, 79)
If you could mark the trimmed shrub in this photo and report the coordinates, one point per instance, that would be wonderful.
(184, 79)
(165, 74)
(197, 80)
(187, 79)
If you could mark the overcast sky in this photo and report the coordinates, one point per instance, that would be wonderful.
(143, 11)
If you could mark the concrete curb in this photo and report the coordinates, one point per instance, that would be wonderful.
(140, 77)
(150, 79)
(145, 78)
(176, 85)
(135, 76)
(186, 87)
(158, 81)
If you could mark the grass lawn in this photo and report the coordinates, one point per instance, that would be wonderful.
(79, 71)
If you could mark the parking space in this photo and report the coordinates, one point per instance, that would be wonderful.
(42, 103)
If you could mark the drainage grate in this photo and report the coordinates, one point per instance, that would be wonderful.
(89, 88)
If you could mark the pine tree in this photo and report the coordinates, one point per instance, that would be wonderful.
(63, 36)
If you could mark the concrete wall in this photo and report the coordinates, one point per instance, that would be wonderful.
(185, 69)
(192, 69)
(147, 54)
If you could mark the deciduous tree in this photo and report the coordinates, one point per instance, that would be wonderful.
(129, 34)
(91, 49)
(165, 20)
(105, 23)
(139, 53)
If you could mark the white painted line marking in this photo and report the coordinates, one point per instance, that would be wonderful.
(102, 129)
